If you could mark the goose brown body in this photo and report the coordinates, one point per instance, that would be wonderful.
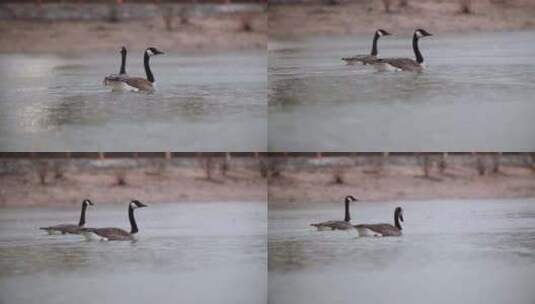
(335, 224)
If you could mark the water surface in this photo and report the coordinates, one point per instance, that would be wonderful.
(187, 252)
(451, 252)
(203, 103)
(475, 95)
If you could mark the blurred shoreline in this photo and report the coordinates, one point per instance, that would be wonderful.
(288, 20)
(301, 181)
(295, 179)
(83, 27)
(38, 181)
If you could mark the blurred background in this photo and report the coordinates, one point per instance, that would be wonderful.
(473, 95)
(82, 26)
(467, 236)
(54, 56)
(205, 227)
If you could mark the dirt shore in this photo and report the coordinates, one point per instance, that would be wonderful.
(150, 184)
(295, 188)
(293, 181)
(227, 32)
(290, 21)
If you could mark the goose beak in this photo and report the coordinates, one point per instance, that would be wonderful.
(141, 205)
(158, 52)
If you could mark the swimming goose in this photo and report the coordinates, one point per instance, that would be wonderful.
(338, 225)
(70, 228)
(405, 64)
(116, 234)
(372, 57)
(382, 229)
(142, 84)
(114, 80)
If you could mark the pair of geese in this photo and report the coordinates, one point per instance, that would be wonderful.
(392, 64)
(104, 234)
(123, 82)
(364, 230)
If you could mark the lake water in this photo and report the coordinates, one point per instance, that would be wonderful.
(202, 103)
(451, 252)
(475, 95)
(187, 253)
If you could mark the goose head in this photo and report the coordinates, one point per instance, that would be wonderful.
(419, 33)
(136, 204)
(398, 213)
(350, 198)
(87, 202)
(123, 50)
(152, 51)
(381, 33)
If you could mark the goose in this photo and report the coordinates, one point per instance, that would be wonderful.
(338, 225)
(70, 228)
(116, 234)
(372, 57)
(114, 80)
(405, 64)
(141, 84)
(382, 229)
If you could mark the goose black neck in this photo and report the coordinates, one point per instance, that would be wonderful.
(374, 45)
(123, 63)
(150, 77)
(419, 57)
(347, 218)
(81, 223)
(396, 221)
(133, 225)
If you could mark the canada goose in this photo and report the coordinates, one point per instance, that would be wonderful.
(142, 84)
(70, 228)
(114, 80)
(405, 64)
(338, 225)
(372, 57)
(382, 229)
(116, 234)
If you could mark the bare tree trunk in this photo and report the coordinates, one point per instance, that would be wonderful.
(427, 165)
(466, 6)
(496, 162)
(443, 164)
(208, 164)
(480, 165)
(339, 175)
(42, 171)
(120, 177)
(404, 3)
(387, 4)
(225, 165)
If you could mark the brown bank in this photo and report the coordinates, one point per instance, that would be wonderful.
(298, 181)
(58, 181)
(351, 17)
(94, 26)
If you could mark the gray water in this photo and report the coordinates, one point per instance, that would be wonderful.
(202, 103)
(477, 251)
(475, 95)
(187, 253)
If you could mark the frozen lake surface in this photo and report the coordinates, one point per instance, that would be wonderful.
(475, 95)
(187, 252)
(202, 103)
(451, 252)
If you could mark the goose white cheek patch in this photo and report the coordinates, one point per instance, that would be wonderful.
(419, 34)
(150, 52)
